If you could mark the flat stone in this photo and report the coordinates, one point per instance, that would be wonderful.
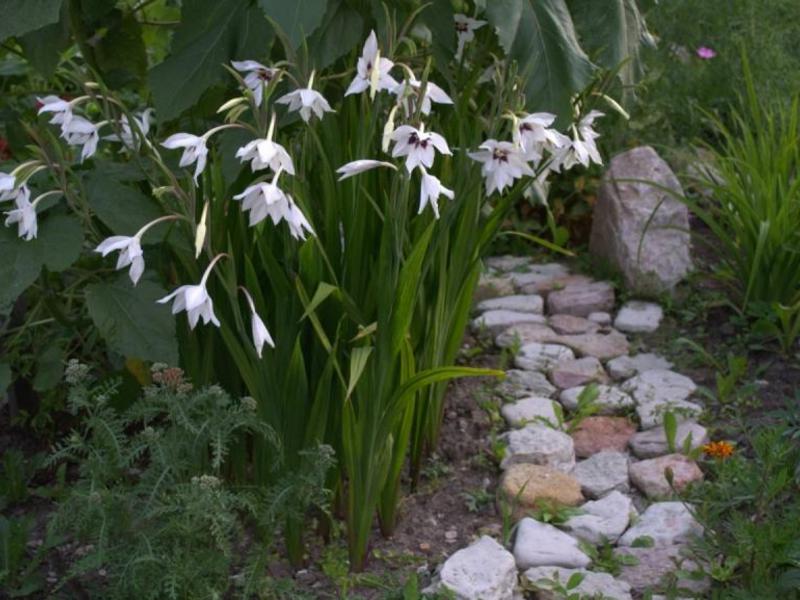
(520, 384)
(649, 475)
(656, 563)
(651, 414)
(538, 274)
(482, 571)
(533, 409)
(508, 262)
(582, 299)
(653, 442)
(525, 333)
(496, 321)
(537, 544)
(526, 486)
(610, 400)
(571, 325)
(539, 445)
(624, 367)
(639, 317)
(530, 303)
(575, 372)
(601, 318)
(541, 357)
(593, 585)
(664, 523)
(603, 520)
(602, 473)
(492, 286)
(659, 391)
(596, 434)
(603, 346)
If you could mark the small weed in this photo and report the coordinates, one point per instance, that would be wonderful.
(555, 514)
(477, 500)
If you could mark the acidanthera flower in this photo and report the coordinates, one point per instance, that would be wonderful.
(8, 189)
(258, 76)
(430, 190)
(264, 200)
(407, 91)
(534, 136)
(82, 132)
(306, 100)
(194, 150)
(127, 136)
(61, 109)
(261, 335)
(465, 29)
(194, 299)
(417, 146)
(582, 148)
(503, 162)
(24, 215)
(264, 153)
(130, 249)
(372, 70)
(359, 166)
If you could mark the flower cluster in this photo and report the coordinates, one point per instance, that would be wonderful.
(14, 188)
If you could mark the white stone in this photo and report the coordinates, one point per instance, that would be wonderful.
(593, 585)
(639, 317)
(665, 523)
(651, 414)
(602, 473)
(602, 520)
(497, 320)
(533, 409)
(601, 318)
(653, 442)
(525, 333)
(482, 571)
(528, 303)
(539, 274)
(508, 262)
(538, 544)
(539, 445)
(624, 367)
(659, 385)
(520, 384)
(610, 400)
(541, 357)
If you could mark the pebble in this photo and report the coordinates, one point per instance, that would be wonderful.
(610, 400)
(602, 473)
(531, 303)
(541, 357)
(533, 409)
(496, 321)
(649, 475)
(665, 523)
(579, 371)
(603, 520)
(571, 325)
(582, 300)
(538, 544)
(639, 317)
(653, 442)
(539, 445)
(624, 367)
(595, 434)
(520, 384)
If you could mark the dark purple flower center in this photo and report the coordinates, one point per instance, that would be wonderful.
(415, 141)
(264, 75)
(500, 155)
(462, 27)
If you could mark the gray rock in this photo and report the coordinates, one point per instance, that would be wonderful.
(659, 391)
(571, 325)
(602, 473)
(602, 520)
(491, 286)
(540, 357)
(603, 346)
(574, 372)
(508, 262)
(665, 523)
(530, 303)
(539, 445)
(610, 400)
(651, 414)
(525, 333)
(582, 300)
(624, 367)
(482, 571)
(639, 317)
(519, 383)
(539, 544)
(654, 564)
(593, 585)
(601, 318)
(640, 229)
(650, 475)
(539, 274)
(498, 320)
(653, 442)
(532, 409)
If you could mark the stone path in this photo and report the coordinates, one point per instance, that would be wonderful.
(610, 465)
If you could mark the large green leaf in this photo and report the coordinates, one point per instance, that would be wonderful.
(49, 368)
(57, 246)
(341, 31)
(119, 53)
(131, 321)
(124, 209)
(540, 36)
(21, 16)
(43, 47)
(297, 19)
(211, 33)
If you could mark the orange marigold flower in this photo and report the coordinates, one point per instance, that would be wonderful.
(719, 449)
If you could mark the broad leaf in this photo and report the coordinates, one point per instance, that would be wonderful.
(21, 16)
(49, 368)
(341, 31)
(119, 53)
(43, 47)
(131, 321)
(124, 209)
(297, 19)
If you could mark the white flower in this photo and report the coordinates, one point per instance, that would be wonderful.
(533, 135)
(268, 200)
(417, 146)
(306, 100)
(359, 166)
(465, 29)
(195, 150)
(194, 299)
(261, 335)
(24, 215)
(582, 148)
(503, 162)
(258, 76)
(366, 70)
(61, 109)
(430, 190)
(408, 89)
(264, 153)
(298, 224)
(130, 253)
(128, 137)
(82, 132)
(8, 189)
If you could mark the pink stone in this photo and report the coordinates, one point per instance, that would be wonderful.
(571, 325)
(649, 475)
(582, 299)
(598, 434)
(572, 373)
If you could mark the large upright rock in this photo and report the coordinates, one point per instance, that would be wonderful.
(622, 213)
